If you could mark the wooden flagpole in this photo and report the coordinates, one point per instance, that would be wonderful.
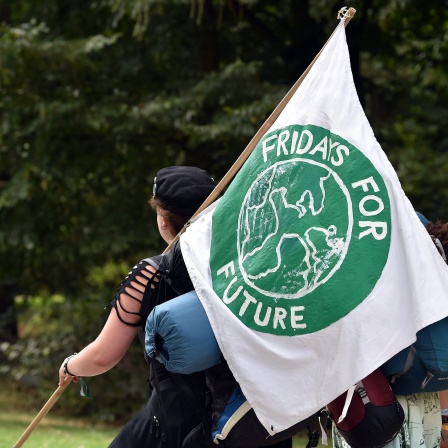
(348, 14)
(43, 412)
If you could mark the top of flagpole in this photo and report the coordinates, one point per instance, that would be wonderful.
(346, 14)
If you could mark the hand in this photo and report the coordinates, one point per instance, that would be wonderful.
(63, 376)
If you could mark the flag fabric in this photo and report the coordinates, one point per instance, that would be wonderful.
(313, 268)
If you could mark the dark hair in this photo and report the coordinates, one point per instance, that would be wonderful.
(176, 220)
(440, 231)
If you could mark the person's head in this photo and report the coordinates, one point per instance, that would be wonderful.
(177, 193)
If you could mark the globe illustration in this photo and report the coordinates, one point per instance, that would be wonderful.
(294, 228)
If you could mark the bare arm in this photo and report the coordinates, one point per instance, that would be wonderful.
(116, 336)
(104, 352)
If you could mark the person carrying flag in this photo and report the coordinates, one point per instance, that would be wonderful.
(178, 192)
(174, 414)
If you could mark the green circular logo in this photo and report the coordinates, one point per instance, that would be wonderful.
(302, 234)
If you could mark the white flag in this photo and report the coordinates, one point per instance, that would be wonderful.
(313, 268)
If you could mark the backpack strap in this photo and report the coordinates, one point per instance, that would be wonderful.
(407, 365)
(235, 409)
(428, 378)
(348, 400)
(199, 409)
(155, 374)
(151, 295)
(232, 421)
(182, 386)
(362, 392)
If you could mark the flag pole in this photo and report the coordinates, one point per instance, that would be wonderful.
(43, 412)
(345, 14)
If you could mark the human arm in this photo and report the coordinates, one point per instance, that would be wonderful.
(119, 330)
(104, 352)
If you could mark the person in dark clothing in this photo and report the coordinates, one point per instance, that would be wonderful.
(175, 411)
(178, 193)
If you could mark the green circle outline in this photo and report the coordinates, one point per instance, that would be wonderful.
(351, 284)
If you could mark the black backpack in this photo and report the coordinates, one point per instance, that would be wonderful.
(221, 385)
(374, 416)
(174, 414)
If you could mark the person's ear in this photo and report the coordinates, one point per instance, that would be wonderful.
(163, 222)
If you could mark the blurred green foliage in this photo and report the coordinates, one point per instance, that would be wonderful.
(96, 96)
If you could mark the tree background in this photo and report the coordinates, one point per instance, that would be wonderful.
(96, 96)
